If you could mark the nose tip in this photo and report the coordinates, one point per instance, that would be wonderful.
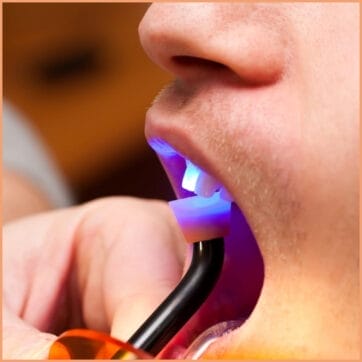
(191, 40)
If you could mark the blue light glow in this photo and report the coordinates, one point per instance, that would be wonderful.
(213, 206)
(191, 175)
(161, 147)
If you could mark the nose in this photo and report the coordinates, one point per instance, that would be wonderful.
(194, 40)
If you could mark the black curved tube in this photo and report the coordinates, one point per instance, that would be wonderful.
(184, 301)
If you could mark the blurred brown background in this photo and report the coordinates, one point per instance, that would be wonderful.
(79, 74)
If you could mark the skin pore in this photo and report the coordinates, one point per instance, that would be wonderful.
(266, 101)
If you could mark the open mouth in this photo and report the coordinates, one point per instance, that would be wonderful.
(237, 291)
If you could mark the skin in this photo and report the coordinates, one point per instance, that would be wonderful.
(266, 101)
(79, 255)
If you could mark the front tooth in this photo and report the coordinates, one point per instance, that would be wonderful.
(206, 185)
(198, 181)
(191, 175)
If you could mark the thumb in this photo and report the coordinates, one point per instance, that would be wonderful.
(148, 272)
(134, 310)
(21, 341)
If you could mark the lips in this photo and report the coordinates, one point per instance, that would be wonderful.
(243, 138)
(238, 289)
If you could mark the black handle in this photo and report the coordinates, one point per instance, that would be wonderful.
(184, 301)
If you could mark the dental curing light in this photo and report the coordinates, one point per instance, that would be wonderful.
(200, 218)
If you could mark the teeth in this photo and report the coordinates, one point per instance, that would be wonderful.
(201, 183)
(191, 175)
(206, 185)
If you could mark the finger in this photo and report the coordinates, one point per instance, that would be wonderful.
(107, 263)
(21, 341)
(140, 251)
(37, 264)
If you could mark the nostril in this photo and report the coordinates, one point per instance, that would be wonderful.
(195, 68)
(192, 68)
(190, 61)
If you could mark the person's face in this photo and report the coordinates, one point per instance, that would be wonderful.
(266, 101)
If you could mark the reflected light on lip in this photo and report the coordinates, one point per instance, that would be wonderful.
(161, 147)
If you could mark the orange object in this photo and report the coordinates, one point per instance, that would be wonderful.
(88, 344)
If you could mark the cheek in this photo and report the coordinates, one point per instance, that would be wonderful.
(259, 147)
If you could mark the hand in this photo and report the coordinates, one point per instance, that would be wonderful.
(105, 265)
